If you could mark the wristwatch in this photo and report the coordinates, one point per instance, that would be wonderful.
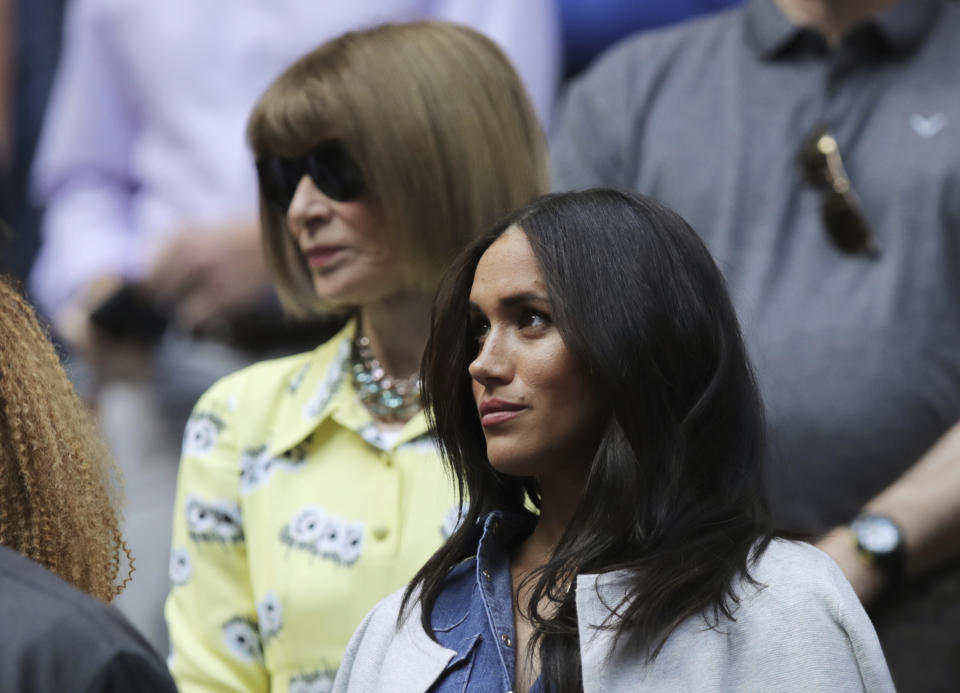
(880, 542)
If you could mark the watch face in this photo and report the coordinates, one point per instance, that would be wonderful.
(877, 534)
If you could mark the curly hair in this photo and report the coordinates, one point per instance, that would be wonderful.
(59, 489)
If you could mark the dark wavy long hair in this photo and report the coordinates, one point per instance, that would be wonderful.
(674, 493)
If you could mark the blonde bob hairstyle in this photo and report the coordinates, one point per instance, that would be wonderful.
(440, 125)
(59, 490)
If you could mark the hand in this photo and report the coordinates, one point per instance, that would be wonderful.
(72, 323)
(866, 579)
(208, 273)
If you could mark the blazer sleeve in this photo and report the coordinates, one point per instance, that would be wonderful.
(808, 632)
(863, 641)
(211, 612)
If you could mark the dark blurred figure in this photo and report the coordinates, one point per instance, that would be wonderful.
(30, 33)
(60, 545)
(813, 144)
(590, 27)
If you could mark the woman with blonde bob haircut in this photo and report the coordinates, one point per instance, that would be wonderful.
(444, 134)
(309, 486)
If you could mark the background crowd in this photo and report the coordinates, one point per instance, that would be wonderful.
(812, 144)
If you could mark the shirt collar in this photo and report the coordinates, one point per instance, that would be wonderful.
(323, 390)
(903, 26)
(906, 24)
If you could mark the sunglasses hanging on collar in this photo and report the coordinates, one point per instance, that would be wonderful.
(840, 208)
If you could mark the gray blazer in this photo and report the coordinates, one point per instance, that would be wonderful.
(802, 631)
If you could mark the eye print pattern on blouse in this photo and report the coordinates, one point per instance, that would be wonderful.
(270, 616)
(257, 466)
(181, 569)
(423, 445)
(241, 638)
(215, 520)
(374, 437)
(200, 434)
(328, 386)
(320, 681)
(328, 536)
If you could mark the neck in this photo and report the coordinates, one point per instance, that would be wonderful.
(832, 18)
(397, 328)
(559, 498)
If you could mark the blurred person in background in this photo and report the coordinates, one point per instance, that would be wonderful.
(309, 486)
(151, 266)
(29, 46)
(62, 557)
(814, 145)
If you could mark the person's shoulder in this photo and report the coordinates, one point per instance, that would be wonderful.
(785, 560)
(282, 374)
(47, 622)
(795, 579)
(56, 606)
(662, 44)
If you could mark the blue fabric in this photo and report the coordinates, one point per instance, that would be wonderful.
(590, 27)
(474, 613)
(36, 49)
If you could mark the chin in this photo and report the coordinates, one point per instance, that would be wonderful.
(513, 465)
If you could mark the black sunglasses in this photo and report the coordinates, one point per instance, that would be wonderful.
(329, 165)
(840, 207)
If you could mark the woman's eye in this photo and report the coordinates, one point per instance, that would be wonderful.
(479, 330)
(533, 318)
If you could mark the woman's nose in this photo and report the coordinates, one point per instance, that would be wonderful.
(308, 208)
(491, 364)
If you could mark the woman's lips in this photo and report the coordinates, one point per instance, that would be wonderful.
(498, 417)
(496, 411)
(323, 256)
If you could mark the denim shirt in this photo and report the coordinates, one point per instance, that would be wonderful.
(474, 613)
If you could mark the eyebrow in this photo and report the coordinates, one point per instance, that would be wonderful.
(517, 299)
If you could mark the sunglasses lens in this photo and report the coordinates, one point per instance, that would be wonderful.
(846, 225)
(331, 168)
(334, 172)
(278, 180)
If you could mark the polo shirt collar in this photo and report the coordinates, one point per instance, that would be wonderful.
(903, 26)
(768, 28)
(906, 24)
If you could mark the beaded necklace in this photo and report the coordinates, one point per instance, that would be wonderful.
(385, 397)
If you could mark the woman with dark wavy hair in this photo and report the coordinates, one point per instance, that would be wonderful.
(592, 396)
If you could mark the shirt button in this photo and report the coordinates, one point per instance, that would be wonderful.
(506, 640)
(380, 532)
(486, 574)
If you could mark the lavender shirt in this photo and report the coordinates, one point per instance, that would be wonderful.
(145, 131)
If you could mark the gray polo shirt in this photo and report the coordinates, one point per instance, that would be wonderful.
(858, 358)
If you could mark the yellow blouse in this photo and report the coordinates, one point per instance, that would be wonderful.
(294, 516)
